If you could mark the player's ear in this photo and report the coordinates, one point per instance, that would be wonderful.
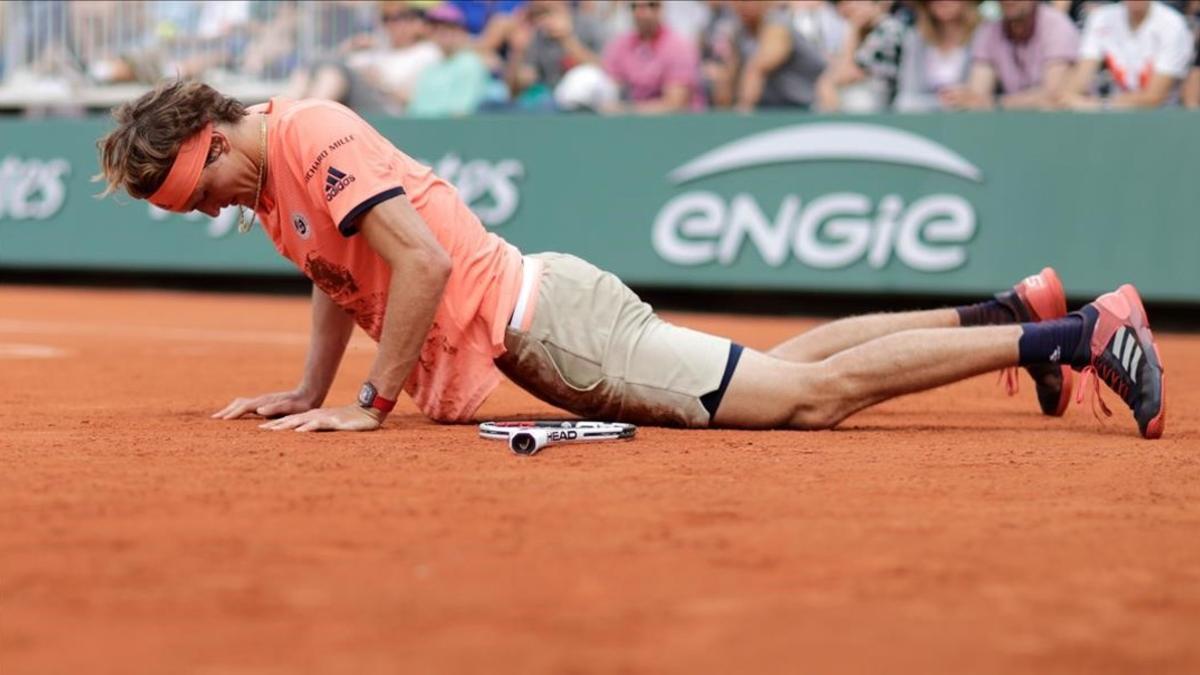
(220, 146)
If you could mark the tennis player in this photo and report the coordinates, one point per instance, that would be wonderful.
(392, 247)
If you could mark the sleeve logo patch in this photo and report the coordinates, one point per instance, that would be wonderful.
(335, 182)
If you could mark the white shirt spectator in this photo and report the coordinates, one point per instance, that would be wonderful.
(820, 25)
(1161, 44)
(396, 70)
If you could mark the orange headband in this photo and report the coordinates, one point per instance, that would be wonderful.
(181, 181)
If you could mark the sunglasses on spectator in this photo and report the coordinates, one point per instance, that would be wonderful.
(651, 5)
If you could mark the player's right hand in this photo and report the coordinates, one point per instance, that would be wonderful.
(268, 405)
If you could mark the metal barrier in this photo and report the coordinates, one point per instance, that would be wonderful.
(93, 53)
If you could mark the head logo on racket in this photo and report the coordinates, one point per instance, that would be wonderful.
(528, 437)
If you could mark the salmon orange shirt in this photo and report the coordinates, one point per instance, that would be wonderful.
(326, 168)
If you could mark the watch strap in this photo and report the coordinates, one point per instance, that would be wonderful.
(382, 404)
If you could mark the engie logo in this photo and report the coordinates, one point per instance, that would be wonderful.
(335, 182)
(828, 231)
(32, 189)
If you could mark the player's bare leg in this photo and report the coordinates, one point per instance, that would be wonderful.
(836, 336)
(768, 392)
(1035, 298)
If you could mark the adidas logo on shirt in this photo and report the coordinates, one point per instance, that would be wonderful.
(335, 182)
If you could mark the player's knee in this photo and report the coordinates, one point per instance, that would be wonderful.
(821, 401)
(815, 416)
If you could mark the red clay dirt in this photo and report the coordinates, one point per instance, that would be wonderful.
(952, 531)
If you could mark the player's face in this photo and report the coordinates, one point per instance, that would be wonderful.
(219, 182)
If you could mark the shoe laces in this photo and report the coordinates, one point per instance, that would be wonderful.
(1091, 380)
(1011, 379)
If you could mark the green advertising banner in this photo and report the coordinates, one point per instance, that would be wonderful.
(937, 204)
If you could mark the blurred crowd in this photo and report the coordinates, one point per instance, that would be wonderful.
(459, 57)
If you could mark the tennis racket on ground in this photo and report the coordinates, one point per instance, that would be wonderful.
(527, 438)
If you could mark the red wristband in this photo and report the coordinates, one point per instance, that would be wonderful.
(382, 404)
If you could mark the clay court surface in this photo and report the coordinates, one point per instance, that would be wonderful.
(952, 531)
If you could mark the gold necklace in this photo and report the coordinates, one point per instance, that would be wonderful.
(243, 224)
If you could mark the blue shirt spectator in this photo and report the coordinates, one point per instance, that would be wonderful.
(477, 13)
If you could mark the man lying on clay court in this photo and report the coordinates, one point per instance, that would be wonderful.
(391, 246)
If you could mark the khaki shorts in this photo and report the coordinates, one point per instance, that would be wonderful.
(592, 347)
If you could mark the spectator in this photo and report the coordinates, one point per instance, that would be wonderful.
(686, 17)
(819, 24)
(779, 68)
(862, 76)
(458, 84)
(1026, 56)
(379, 71)
(478, 15)
(1191, 86)
(718, 56)
(1078, 10)
(391, 69)
(1146, 48)
(549, 40)
(491, 24)
(657, 70)
(935, 54)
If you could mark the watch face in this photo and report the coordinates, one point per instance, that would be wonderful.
(366, 395)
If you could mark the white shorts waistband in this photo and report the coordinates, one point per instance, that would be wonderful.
(526, 300)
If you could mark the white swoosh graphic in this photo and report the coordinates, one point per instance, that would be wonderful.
(828, 140)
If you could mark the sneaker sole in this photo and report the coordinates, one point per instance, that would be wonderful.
(1049, 305)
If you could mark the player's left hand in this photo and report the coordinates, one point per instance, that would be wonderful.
(345, 418)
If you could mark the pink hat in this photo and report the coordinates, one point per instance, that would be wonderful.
(446, 13)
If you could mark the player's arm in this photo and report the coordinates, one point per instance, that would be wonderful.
(331, 329)
(420, 268)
